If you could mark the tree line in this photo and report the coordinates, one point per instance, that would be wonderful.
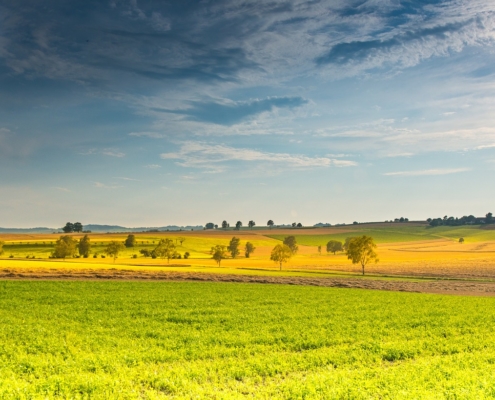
(465, 220)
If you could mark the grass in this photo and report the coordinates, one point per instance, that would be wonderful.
(209, 340)
(395, 234)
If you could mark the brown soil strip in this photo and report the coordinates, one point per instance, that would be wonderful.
(440, 286)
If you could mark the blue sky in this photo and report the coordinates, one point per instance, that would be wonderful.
(149, 113)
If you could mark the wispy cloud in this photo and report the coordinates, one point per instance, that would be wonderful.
(427, 172)
(229, 113)
(62, 189)
(113, 153)
(127, 179)
(105, 186)
(197, 154)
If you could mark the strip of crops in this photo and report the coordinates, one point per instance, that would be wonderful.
(153, 340)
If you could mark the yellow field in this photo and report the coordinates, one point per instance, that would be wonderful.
(439, 255)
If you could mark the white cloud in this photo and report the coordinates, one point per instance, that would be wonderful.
(427, 172)
(113, 153)
(104, 186)
(62, 189)
(197, 154)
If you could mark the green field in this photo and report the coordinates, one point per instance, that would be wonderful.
(220, 340)
(395, 234)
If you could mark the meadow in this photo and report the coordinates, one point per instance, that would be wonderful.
(150, 340)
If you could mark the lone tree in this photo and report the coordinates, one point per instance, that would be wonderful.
(78, 227)
(333, 246)
(249, 249)
(319, 249)
(461, 240)
(251, 224)
(64, 247)
(210, 225)
(299, 225)
(281, 253)
(290, 241)
(225, 224)
(270, 224)
(113, 249)
(361, 250)
(181, 239)
(165, 249)
(130, 241)
(233, 247)
(68, 228)
(84, 246)
(238, 225)
(218, 253)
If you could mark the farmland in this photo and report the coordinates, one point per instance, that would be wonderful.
(221, 340)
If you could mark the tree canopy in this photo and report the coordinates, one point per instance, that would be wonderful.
(64, 247)
(281, 253)
(233, 247)
(166, 249)
(361, 250)
(290, 241)
(270, 223)
(130, 241)
(249, 249)
(333, 246)
(218, 253)
(251, 224)
(2, 243)
(84, 246)
(114, 248)
(238, 225)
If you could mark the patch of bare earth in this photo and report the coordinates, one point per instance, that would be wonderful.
(440, 286)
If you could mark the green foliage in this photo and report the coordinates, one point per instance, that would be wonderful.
(151, 340)
(361, 250)
(291, 242)
(249, 249)
(165, 249)
(461, 240)
(113, 249)
(233, 247)
(251, 224)
(238, 225)
(281, 253)
(333, 246)
(84, 246)
(270, 223)
(130, 241)
(218, 253)
(1, 247)
(65, 247)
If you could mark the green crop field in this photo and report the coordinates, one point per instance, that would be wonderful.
(130, 340)
(395, 234)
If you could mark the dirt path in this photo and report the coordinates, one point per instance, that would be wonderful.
(440, 286)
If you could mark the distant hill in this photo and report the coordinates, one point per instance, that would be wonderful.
(103, 228)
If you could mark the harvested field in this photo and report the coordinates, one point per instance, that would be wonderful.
(427, 286)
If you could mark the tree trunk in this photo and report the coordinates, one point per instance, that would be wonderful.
(362, 265)
(280, 266)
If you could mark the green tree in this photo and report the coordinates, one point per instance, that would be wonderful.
(238, 225)
(319, 249)
(84, 246)
(333, 246)
(347, 241)
(281, 253)
(68, 228)
(291, 242)
(210, 225)
(249, 249)
(64, 247)
(233, 247)
(461, 240)
(219, 253)
(361, 250)
(251, 224)
(299, 225)
(489, 218)
(270, 223)
(181, 239)
(78, 227)
(166, 249)
(2, 243)
(130, 241)
(113, 249)
(225, 224)
(145, 252)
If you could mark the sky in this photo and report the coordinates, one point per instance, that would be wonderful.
(153, 113)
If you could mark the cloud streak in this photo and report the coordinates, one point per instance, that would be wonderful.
(200, 155)
(428, 172)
